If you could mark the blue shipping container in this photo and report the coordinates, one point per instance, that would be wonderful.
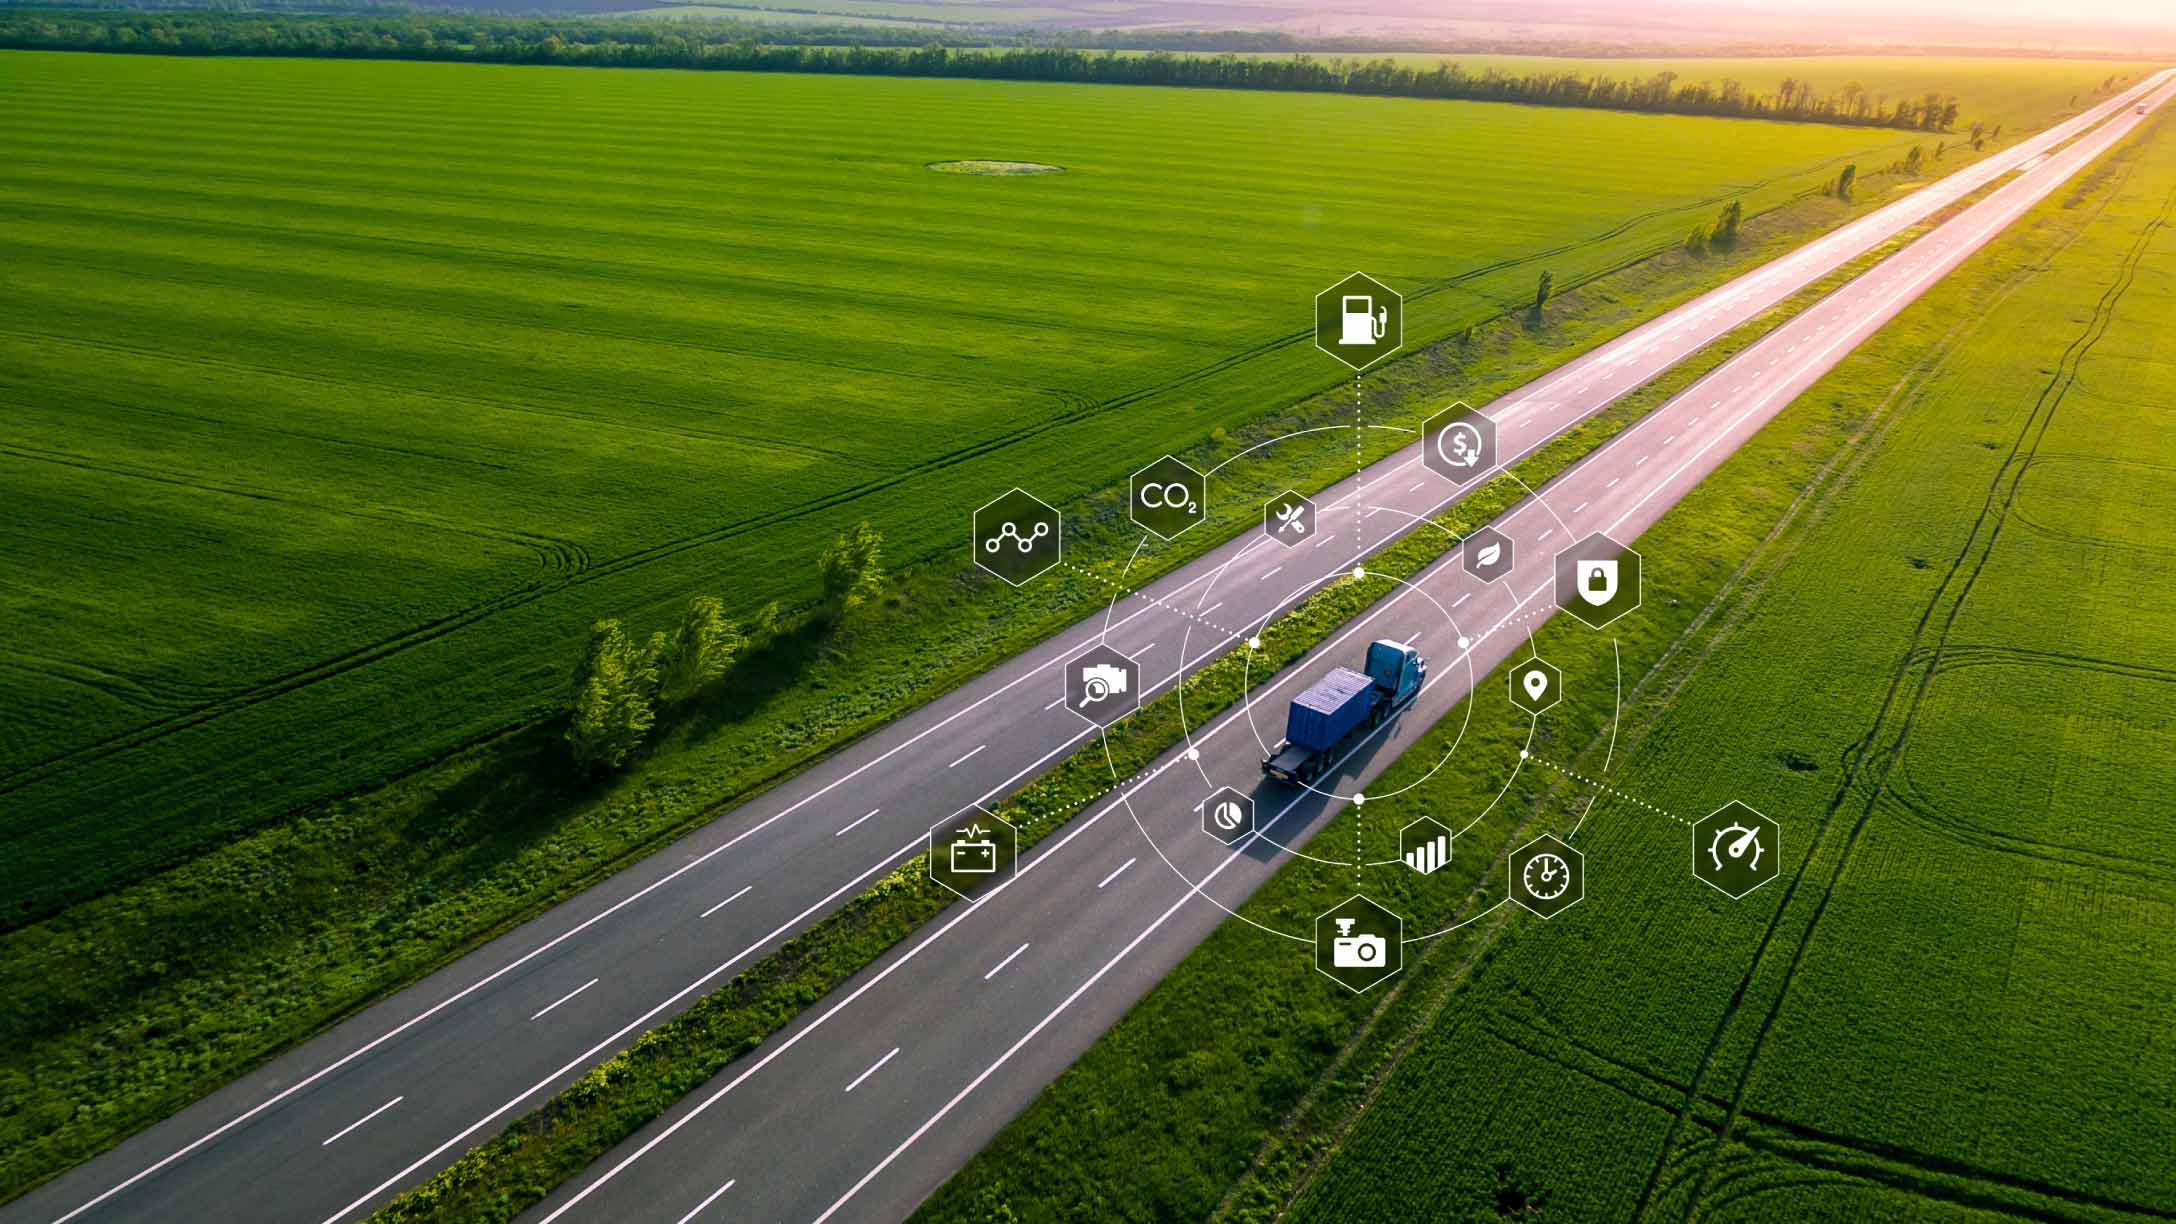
(1329, 709)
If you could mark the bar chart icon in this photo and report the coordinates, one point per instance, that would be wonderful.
(1425, 845)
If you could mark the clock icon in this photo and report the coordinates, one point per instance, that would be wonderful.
(1546, 877)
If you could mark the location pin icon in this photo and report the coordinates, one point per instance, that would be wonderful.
(1537, 683)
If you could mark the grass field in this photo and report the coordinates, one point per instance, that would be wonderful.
(1943, 671)
(325, 455)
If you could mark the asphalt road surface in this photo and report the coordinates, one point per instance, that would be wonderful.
(874, 1096)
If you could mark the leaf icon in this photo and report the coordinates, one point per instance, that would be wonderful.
(1488, 554)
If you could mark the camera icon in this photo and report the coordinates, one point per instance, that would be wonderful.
(1102, 685)
(1101, 682)
(1359, 943)
(1350, 951)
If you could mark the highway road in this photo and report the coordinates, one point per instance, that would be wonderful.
(336, 1126)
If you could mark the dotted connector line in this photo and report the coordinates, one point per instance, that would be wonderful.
(1122, 589)
(1605, 787)
(1359, 471)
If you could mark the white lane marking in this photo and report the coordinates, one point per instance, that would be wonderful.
(1545, 535)
(1461, 599)
(1055, 704)
(873, 1069)
(1636, 462)
(1001, 964)
(1324, 542)
(970, 756)
(873, 811)
(1212, 607)
(570, 994)
(1670, 439)
(1271, 574)
(745, 887)
(707, 1202)
(1581, 506)
(1613, 482)
(1416, 486)
(1119, 871)
(365, 1118)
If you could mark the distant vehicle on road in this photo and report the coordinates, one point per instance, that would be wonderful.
(2141, 108)
(1322, 719)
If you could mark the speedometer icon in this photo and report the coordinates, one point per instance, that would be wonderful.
(1736, 849)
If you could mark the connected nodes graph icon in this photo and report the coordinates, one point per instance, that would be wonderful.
(1017, 537)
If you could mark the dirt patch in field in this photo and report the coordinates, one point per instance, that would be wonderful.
(994, 167)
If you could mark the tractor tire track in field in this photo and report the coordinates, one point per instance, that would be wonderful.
(1079, 409)
(1900, 704)
(1810, 1147)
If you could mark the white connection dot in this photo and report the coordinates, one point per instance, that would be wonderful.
(1359, 571)
(1194, 754)
(1254, 643)
(1464, 641)
(1357, 800)
(1522, 754)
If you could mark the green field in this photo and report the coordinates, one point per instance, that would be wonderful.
(1919, 620)
(332, 420)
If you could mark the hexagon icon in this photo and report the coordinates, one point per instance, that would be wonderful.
(1167, 497)
(1598, 580)
(1487, 554)
(1548, 876)
(1102, 685)
(1736, 849)
(1459, 444)
(1359, 321)
(972, 849)
(1359, 943)
(1288, 518)
(1227, 816)
(1535, 685)
(1017, 537)
(1425, 845)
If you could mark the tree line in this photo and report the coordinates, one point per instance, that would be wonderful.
(733, 47)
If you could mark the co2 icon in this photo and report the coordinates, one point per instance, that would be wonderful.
(1167, 497)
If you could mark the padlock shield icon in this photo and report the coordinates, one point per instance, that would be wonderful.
(1597, 581)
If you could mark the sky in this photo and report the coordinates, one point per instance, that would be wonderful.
(2142, 14)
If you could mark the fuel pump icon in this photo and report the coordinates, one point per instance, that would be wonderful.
(1359, 320)
(1364, 322)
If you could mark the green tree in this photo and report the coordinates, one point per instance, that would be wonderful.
(1844, 180)
(1542, 290)
(612, 700)
(1696, 242)
(1915, 159)
(699, 651)
(852, 568)
(1726, 224)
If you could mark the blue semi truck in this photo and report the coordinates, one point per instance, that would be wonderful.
(1324, 718)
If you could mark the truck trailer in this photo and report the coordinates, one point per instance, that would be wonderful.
(1325, 717)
